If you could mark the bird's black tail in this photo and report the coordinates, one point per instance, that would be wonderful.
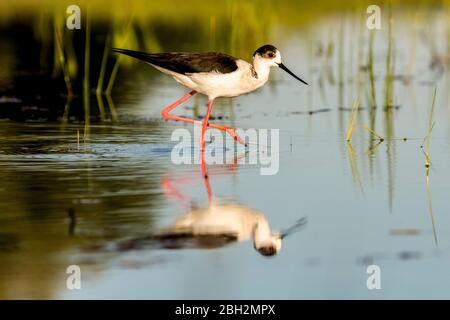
(147, 57)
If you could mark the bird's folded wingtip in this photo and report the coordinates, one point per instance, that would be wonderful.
(118, 50)
(134, 54)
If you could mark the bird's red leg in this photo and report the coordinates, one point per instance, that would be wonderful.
(228, 130)
(165, 114)
(205, 176)
(205, 124)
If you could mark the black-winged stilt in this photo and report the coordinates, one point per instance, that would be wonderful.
(213, 74)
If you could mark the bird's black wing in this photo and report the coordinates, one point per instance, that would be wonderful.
(185, 62)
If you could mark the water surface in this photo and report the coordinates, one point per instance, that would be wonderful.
(68, 200)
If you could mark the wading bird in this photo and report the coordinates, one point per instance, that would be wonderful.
(213, 74)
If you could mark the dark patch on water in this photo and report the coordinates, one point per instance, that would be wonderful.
(405, 232)
(213, 117)
(8, 242)
(309, 112)
(409, 255)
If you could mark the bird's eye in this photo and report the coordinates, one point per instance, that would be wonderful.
(271, 54)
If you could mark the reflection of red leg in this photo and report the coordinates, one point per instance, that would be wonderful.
(170, 185)
(205, 124)
(172, 192)
(234, 165)
(205, 176)
(165, 114)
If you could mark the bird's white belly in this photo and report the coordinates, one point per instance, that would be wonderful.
(216, 85)
(224, 85)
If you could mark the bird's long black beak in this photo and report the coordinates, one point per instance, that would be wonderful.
(282, 66)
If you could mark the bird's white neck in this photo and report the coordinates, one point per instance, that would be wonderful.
(262, 69)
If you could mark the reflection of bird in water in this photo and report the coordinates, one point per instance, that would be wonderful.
(213, 226)
(215, 75)
(219, 224)
(216, 226)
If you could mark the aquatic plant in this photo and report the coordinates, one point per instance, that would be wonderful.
(427, 139)
(353, 118)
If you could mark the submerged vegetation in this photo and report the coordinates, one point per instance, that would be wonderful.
(426, 141)
(353, 119)
(380, 138)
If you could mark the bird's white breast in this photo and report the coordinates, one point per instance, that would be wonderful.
(215, 84)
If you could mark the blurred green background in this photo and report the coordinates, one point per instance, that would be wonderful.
(38, 52)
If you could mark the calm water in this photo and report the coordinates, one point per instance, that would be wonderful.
(362, 207)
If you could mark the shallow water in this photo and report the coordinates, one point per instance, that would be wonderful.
(65, 200)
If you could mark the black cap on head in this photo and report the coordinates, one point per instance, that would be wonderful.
(269, 52)
(264, 50)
